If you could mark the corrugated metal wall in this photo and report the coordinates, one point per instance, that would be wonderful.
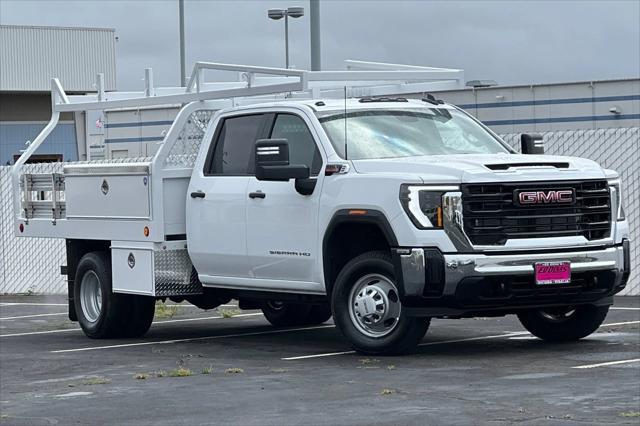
(552, 107)
(31, 56)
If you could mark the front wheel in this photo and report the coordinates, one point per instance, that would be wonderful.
(367, 308)
(564, 324)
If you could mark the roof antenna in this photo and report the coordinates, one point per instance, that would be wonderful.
(346, 157)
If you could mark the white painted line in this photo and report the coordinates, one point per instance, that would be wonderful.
(520, 333)
(615, 324)
(193, 339)
(511, 335)
(155, 322)
(470, 339)
(33, 316)
(205, 318)
(623, 308)
(295, 358)
(605, 364)
(32, 304)
(31, 333)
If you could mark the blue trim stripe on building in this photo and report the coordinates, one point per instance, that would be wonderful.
(552, 102)
(562, 119)
(143, 139)
(138, 124)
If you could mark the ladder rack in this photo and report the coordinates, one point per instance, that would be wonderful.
(40, 196)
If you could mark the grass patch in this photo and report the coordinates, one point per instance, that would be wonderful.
(630, 414)
(207, 370)
(368, 361)
(228, 313)
(234, 371)
(180, 372)
(141, 376)
(391, 367)
(161, 373)
(99, 380)
(165, 311)
(387, 392)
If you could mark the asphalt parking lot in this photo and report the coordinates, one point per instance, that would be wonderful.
(231, 367)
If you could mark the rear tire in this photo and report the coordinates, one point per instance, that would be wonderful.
(285, 314)
(101, 313)
(142, 309)
(367, 309)
(319, 314)
(564, 324)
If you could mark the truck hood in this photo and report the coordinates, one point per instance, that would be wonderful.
(484, 168)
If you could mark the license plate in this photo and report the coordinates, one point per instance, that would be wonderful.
(552, 272)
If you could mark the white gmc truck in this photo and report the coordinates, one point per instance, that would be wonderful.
(382, 212)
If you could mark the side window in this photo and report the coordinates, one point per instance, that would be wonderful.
(302, 147)
(235, 144)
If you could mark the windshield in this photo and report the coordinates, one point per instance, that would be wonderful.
(406, 133)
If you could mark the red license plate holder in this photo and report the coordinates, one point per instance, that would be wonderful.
(552, 272)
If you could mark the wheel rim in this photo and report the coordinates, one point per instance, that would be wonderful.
(558, 314)
(91, 296)
(374, 306)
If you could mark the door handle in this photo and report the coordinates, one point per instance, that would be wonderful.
(257, 194)
(197, 194)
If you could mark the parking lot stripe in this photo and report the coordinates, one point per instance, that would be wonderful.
(155, 322)
(31, 333)
(192, 339)
(624, 308)
(442, 342)
(605, 364)
(33, 316)
(32, 304)
(614, 324)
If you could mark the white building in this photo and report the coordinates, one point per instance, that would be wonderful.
(29, 58)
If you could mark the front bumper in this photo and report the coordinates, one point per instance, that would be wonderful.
(435, 284)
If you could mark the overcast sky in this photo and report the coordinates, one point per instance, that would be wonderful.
(512, 42)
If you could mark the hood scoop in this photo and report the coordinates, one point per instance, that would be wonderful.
(507, 166)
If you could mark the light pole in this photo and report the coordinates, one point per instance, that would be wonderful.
(294, 12)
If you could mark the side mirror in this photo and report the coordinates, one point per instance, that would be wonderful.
(272, 161)
(531, 143)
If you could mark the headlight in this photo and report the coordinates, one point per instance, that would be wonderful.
(423, 204)
(616, 198)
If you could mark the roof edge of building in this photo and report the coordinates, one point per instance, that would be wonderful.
(45, 27)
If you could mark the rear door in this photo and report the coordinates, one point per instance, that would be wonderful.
(282, 224)
(217, 200)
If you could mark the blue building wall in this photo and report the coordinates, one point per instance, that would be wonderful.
(13, 136)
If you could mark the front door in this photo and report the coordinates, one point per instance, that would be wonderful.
(282, 224)
(217, 201)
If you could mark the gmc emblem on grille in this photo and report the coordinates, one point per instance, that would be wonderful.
(559, 196)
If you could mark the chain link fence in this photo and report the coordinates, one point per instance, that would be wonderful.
(33, 264)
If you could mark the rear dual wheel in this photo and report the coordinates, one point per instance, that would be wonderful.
(101, 312)
(564, 324)
(286, 314)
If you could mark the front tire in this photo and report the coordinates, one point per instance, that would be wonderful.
(565, 324)
(367, 309)
(101, 313)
